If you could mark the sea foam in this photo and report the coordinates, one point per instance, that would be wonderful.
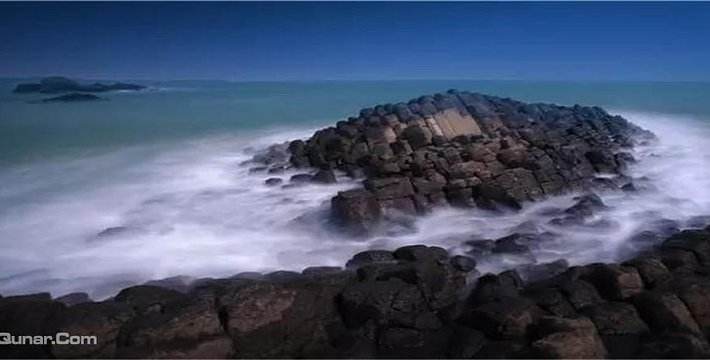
(192, 209)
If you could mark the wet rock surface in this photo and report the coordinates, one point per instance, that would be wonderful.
(414, 302)
(464, 149)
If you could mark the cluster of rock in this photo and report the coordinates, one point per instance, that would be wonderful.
(58, 84)
(416, 301)
(464, 149)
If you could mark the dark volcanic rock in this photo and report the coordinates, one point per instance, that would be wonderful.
(273, 181)
(466, 343)
(651, 270)
(413, 302)
(74, 298)
(615, 282)
(695, 241)
(102, 319)
(179, 283)
(357, 210)
(468, 150)
(421, 253)
(508, 318)
(496, 287)
(463, 263)
(370, 257)
(537, 272)
(301, 178)
(324, 177)
(665, 311)
(513, 244)
(29, 315)
(619, 325)
(568, 339)
(585, 207)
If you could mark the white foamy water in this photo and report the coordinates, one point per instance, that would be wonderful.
(191, 209)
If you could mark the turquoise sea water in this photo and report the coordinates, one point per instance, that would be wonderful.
(186, 109)
(163, 165)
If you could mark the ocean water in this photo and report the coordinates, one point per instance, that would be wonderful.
(163, 167)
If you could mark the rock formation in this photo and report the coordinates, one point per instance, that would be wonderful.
(58, 84)
(465, 149)
(72, 97)
(414, 302)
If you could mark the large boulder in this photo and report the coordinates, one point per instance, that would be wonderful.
(665, 312)
(29, 315)
(103, 320)
(563, 338)
(695, 241)
(287, 319)
(356, 210)
(619, 325)
(508, 318)
(615, 282)
(417, 136)
(171, 325)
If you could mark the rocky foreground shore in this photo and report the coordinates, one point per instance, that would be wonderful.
(416, 301)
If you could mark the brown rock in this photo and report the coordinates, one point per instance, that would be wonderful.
(292, 319)
(665, 311)
(417, 136)
(580, 293)
(616, 282)
(570, 345)
(508, 318)
(619, 325)
(467, 169)
(575, 338)
(390, 188)
(103, 320)
(651, 269)
(356, 210)
(184, 328)
(696, 241)
(697, 298)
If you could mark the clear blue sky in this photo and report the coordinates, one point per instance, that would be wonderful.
(311, 41)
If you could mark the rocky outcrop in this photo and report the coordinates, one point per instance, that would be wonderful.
(73, 97)
(466, 149)
(414, 302)
(58, 84)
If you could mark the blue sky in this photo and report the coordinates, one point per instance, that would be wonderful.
(312, 41)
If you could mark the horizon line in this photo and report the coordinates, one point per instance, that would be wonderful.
(79, 78)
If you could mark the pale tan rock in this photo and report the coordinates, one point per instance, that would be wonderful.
(452, 123)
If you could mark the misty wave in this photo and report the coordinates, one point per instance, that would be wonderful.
(101, 223)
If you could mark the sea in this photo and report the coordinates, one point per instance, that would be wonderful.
(163, 170)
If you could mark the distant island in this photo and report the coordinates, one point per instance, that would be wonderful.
(58, 84)
(72, 97)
